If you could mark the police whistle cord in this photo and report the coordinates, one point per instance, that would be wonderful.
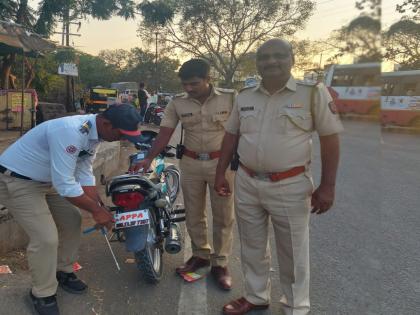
(103, 231)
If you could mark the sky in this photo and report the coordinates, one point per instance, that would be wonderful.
(119, 33)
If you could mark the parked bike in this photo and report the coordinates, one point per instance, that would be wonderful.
(154, 114)
(146, 215)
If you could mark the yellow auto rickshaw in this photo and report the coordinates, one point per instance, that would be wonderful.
(100, 98)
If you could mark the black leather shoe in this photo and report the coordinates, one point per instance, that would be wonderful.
(70, 283)
(46, 305)
(193, 264)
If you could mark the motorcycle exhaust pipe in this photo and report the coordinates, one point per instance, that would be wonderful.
(173, 240)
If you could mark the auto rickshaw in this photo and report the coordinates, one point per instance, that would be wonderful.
(100, 98)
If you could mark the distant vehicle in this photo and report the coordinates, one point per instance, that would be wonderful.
(356, 88)
(125, 86)
(100, 98)
(400, 101)
(128, 96)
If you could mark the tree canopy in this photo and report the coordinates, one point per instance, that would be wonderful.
(402, 44)
(224, 31)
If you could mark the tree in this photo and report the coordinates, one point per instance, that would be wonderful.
(20, 12)
(360, 39)
(410, 5)
(118, 58)
(223, 31)
(50, 11)
(370, 7)
(402, 44)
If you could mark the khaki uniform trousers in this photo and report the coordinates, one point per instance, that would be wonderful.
(43, 215)
(196, 176)
(287, 203)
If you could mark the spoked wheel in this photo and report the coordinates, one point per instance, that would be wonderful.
(149, 260)
(172, 182)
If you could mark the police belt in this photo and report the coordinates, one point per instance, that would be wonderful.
(202, 156)
(274, 177)
(7, 172)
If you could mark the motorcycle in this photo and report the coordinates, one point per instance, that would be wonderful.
(146, 215)
(154, 114)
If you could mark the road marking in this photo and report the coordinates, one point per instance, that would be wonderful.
(193, 298)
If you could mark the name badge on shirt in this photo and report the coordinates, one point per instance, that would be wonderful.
(186, 115)
(247, 108)
(295, 106)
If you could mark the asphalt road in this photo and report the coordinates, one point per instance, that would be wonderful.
(365, 252)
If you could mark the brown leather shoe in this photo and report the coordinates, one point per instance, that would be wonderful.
(241, 306)
(193, 264)
(222, 277)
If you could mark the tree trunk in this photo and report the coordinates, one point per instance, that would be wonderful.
(5, 79)
(30, 73)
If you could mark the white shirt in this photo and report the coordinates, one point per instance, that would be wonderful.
(60, 151)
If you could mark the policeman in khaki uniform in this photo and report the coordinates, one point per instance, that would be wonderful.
(203, 111)
(45, 177)
(271, 126)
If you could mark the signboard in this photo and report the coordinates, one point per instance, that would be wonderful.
(68, 69)
(357, 92)
(400, 103)
(15, 101)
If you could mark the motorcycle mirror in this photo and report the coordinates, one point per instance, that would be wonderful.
(160, 203)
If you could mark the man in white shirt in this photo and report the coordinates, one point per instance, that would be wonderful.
(45, 177)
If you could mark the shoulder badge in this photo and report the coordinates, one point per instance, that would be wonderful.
(225, 90)
(85, 127)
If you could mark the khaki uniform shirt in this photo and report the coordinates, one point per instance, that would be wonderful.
(203, 123)
(275, 130)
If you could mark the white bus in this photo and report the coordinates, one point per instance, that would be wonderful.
(356, 88)
(400, 101)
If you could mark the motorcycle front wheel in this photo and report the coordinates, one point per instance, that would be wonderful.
(149, 260)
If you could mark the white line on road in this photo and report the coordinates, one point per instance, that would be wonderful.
(193, 298)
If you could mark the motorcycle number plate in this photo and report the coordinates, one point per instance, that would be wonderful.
(132, 218)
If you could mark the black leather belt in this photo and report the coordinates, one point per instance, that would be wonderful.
(5, 171)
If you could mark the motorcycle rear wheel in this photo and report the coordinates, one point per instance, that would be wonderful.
(149, 260)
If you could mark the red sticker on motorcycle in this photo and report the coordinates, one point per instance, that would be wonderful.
(71, 149)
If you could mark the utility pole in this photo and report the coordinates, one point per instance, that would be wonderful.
(156, 63)
(65, 41)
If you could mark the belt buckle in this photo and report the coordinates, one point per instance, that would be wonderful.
(203, 156)
(262, 176)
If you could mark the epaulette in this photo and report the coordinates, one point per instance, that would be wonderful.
(307, 83)
(225, 90)
(247, 88)
(85, 127)
(180, 95)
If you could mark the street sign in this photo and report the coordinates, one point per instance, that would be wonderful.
(68, 69)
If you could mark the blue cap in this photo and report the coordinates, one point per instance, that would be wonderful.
(126, 118)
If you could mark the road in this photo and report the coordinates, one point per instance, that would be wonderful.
(365, 252)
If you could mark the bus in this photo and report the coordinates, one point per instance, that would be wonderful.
(400, 101)
(355, 88)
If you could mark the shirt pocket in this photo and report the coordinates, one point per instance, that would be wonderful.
(191, 121)
(219, 119)
(296, 120)
(249, 120)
